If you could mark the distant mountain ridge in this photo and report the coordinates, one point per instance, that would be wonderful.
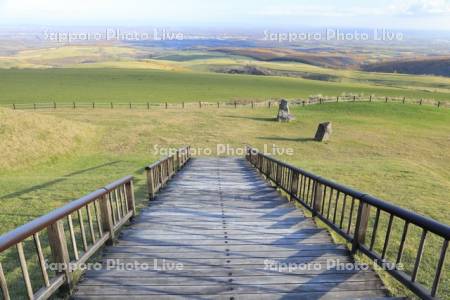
(439, 66)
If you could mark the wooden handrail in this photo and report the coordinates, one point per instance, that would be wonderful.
(347, 212)
(114, 201)
(161, 171)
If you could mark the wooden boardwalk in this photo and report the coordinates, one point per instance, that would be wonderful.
(234, 236)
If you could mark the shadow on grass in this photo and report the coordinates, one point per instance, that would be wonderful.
(264, 119)
(55, 181)
(277, 138)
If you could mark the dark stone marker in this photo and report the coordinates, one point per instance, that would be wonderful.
(323, 132)
(283, 112)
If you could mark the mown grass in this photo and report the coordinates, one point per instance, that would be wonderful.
(396, 152)
(141, 85)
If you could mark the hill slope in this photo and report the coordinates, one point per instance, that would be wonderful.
(428, 66)
(28, 137)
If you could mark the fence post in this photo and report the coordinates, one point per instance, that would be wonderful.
(130, 105)
(148, 106)
(93, 105)
(337, 99)
(270, 103)
(130, 197)
(354, 98)
(106, 216)
(60, 253)
(167, 105)
(386, 99)
(54, 105)
(200, 104)
(112, 106)
(218, 104)
(421, 101)
(362, 221)
(150, 184)
(235, 104)
(183, 104)
(318, 195)
(439, 104)
(34, 106)
(74, 105)
(370, 98)
(253, 105)
(403, 101)
(14, 106)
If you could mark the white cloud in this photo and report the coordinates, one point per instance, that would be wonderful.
(421, 7)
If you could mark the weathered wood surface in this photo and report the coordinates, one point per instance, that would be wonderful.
(223, 223)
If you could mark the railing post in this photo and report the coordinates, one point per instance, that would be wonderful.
(130, 197)
(151, 184)
(362, 221)
(178, 160)
(60, 253)
(14, 106)
(318, 195)
(106, 216)
(3, 284)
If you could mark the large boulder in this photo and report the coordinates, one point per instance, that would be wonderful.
(283, 112)
(324, 132)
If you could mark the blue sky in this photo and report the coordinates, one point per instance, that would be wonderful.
(399, 14)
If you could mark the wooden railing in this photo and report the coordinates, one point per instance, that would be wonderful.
(161, 171)
(348, 213)
(258, 103)
(90, 222)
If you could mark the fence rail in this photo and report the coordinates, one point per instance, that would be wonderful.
(222, 104)
(161, 171)
(348, 212)
(90, 222)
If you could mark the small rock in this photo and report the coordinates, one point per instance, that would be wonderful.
(324, 132)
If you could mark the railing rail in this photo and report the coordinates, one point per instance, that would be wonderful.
(161, 171)
(349, 213)
(90, 221)
(257, 103)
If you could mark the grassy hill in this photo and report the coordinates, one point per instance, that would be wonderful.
(105, 73)
(137, 85)
(396, 152)
(426, 66)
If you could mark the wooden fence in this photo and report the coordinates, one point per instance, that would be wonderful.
(223, 104)
(91, 222)
(347, 212)
(161, 171)
(106, 210)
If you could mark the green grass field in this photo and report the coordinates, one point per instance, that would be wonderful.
(137, 85)
(396, 152)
